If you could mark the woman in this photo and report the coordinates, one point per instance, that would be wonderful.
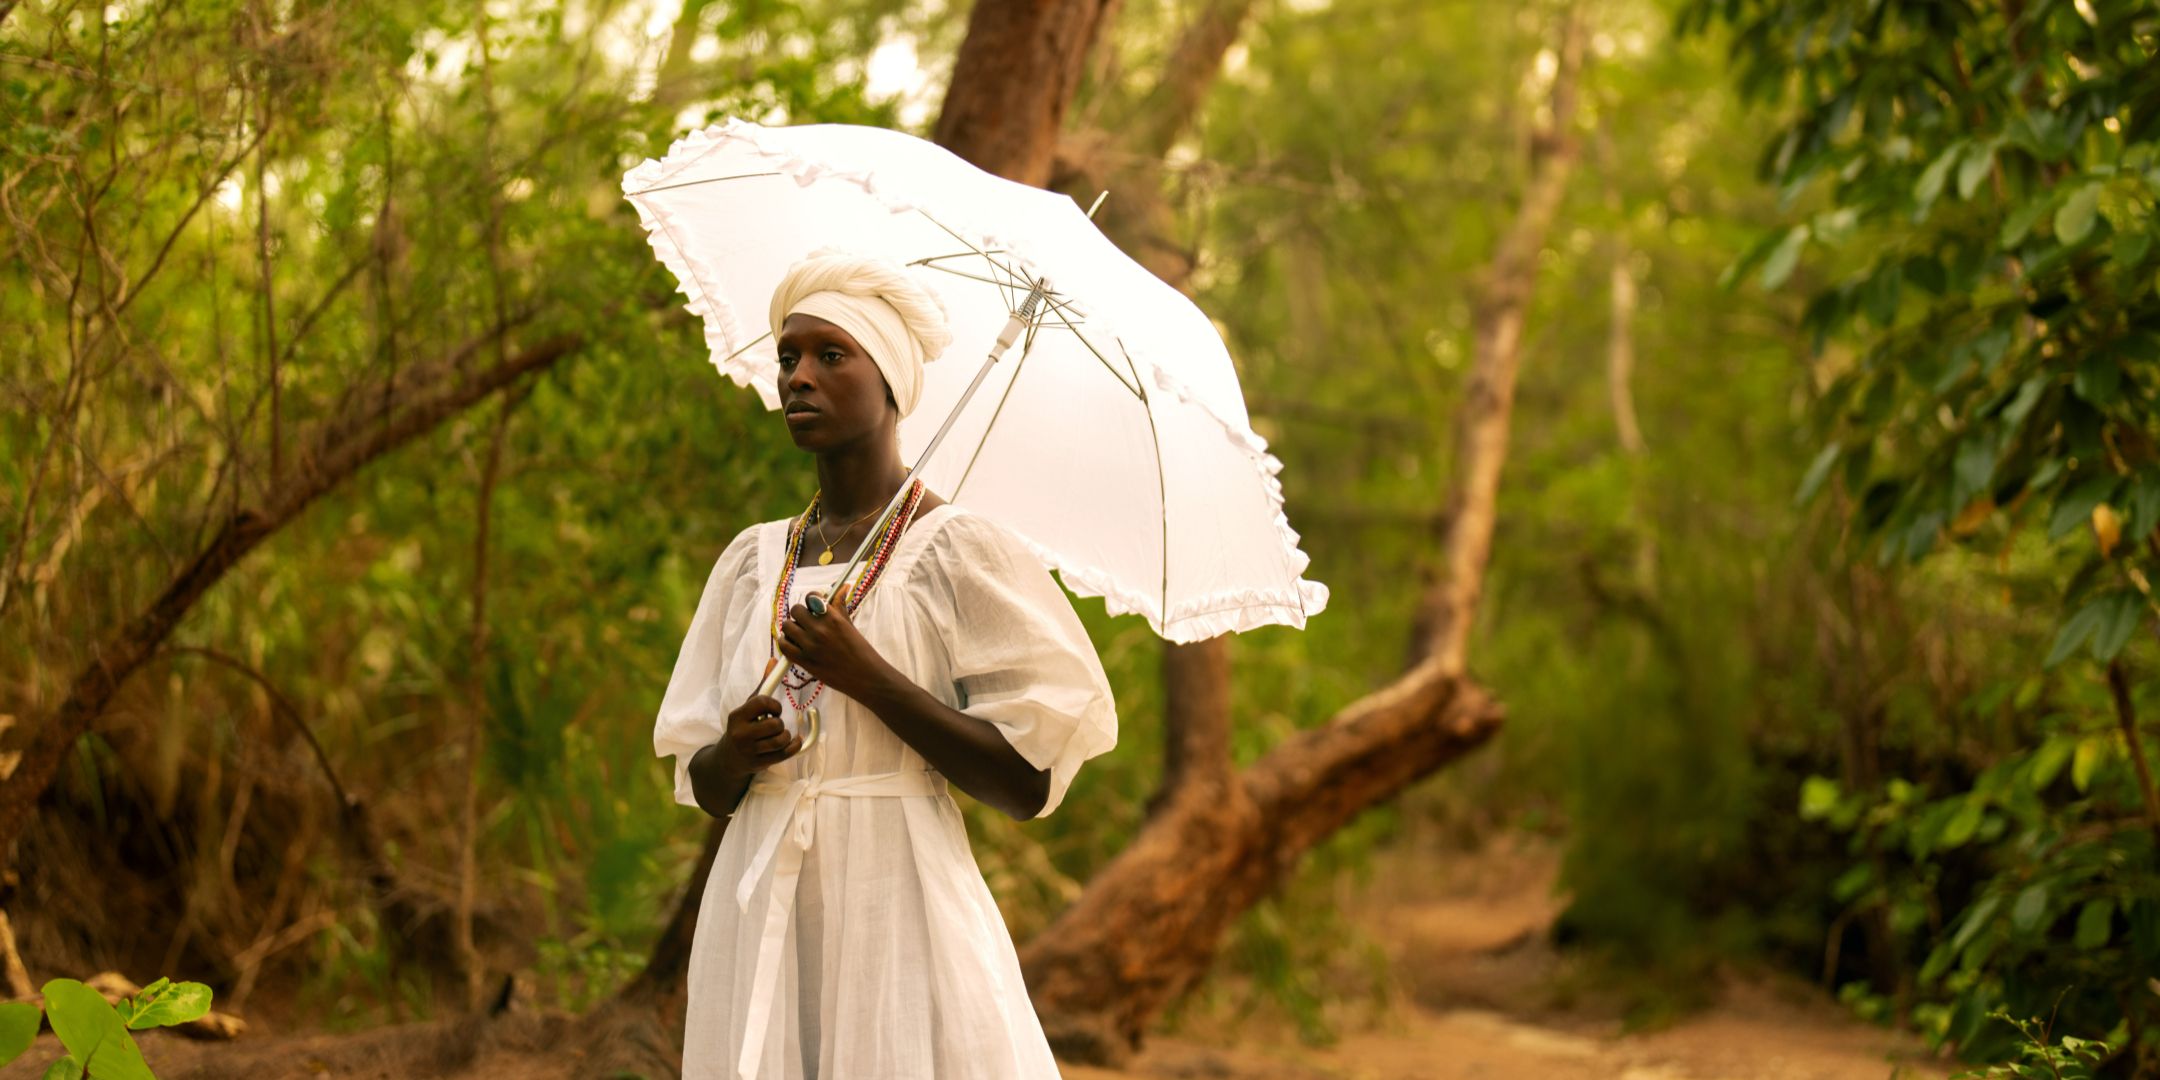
(846, 931)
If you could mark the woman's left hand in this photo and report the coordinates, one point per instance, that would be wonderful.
(829, 647)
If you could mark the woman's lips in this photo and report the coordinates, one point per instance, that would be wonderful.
(800, 416)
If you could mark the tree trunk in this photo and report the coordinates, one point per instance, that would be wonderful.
(1146, 927)
(1196, 722)
(664, 974)
(373, 422)
(1450, 604)
(1014, 78)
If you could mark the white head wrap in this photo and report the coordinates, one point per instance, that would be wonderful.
(897, 318)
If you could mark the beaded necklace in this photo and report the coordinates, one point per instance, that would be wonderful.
(795, 678)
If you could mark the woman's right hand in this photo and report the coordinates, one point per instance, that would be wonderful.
(756, 740)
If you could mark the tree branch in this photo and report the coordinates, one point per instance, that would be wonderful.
(2126, 716)
(1449, 607)
(1168, 111)
(370, 425)
(279, 704)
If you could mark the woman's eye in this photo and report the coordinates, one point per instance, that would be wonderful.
(787, 360)
(832, 356)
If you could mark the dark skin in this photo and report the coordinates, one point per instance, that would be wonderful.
(838, 408)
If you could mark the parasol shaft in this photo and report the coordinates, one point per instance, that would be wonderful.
(1013, 326)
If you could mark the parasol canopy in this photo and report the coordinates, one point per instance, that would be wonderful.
(1113, 439)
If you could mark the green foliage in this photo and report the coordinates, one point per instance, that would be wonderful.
(94, 1031)
(19, 1023)
(165, 1003)
(1350, 188)
(2063, 912)
(1975, 188)
(381, 183)
(2071, 1058)
(1986, 224)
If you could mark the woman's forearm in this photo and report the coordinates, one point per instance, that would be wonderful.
(968, 750)
(716, 789)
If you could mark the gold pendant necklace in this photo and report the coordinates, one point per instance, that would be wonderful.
(825, 558)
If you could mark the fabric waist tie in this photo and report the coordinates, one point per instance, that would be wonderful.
(782, 847)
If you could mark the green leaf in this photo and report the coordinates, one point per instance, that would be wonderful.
(1742, 266)
(1931, 180)
(2119, 616)
(1920, 534)
(1784, 257)
(2142, 505)
(2047, 762)
(2031, 907)
(2028, 395)
(1978, 161)
(1817, 471)
(1854, 881)
(2095, 923)
(1951, 374)
(1974, 465)
(2074, 219)
(1964, 823)
(2028, 692)
(18, 1028)
(2020, 222)
(2075, 507)
(1989, 347)
(165, 1003)
(1819, 797)
(92, 1032)
(1926, 830)
(1756, 253)
(2091, 751)
(2098, 380)
(1976, 917)
(1879, 298)
(67, 1068)
(2131, 246)
(2075, 630)
(1938, 961)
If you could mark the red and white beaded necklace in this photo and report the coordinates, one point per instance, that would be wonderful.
(888, 538)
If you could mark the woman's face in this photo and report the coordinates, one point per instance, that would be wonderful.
(831, 393)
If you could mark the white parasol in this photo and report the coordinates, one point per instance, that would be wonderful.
(1114, 441)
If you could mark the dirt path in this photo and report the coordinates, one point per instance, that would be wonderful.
(1752, 1034)
(1482, 1000)
(1484, 996)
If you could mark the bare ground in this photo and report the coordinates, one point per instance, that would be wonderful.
(1483, 995)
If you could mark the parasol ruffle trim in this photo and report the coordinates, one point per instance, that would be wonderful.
(1194, 619)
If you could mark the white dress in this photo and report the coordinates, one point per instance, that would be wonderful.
(846, 931)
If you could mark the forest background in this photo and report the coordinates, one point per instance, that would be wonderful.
(346, 399)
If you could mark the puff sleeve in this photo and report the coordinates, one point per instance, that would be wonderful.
(694, 711)
(1019, 657)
